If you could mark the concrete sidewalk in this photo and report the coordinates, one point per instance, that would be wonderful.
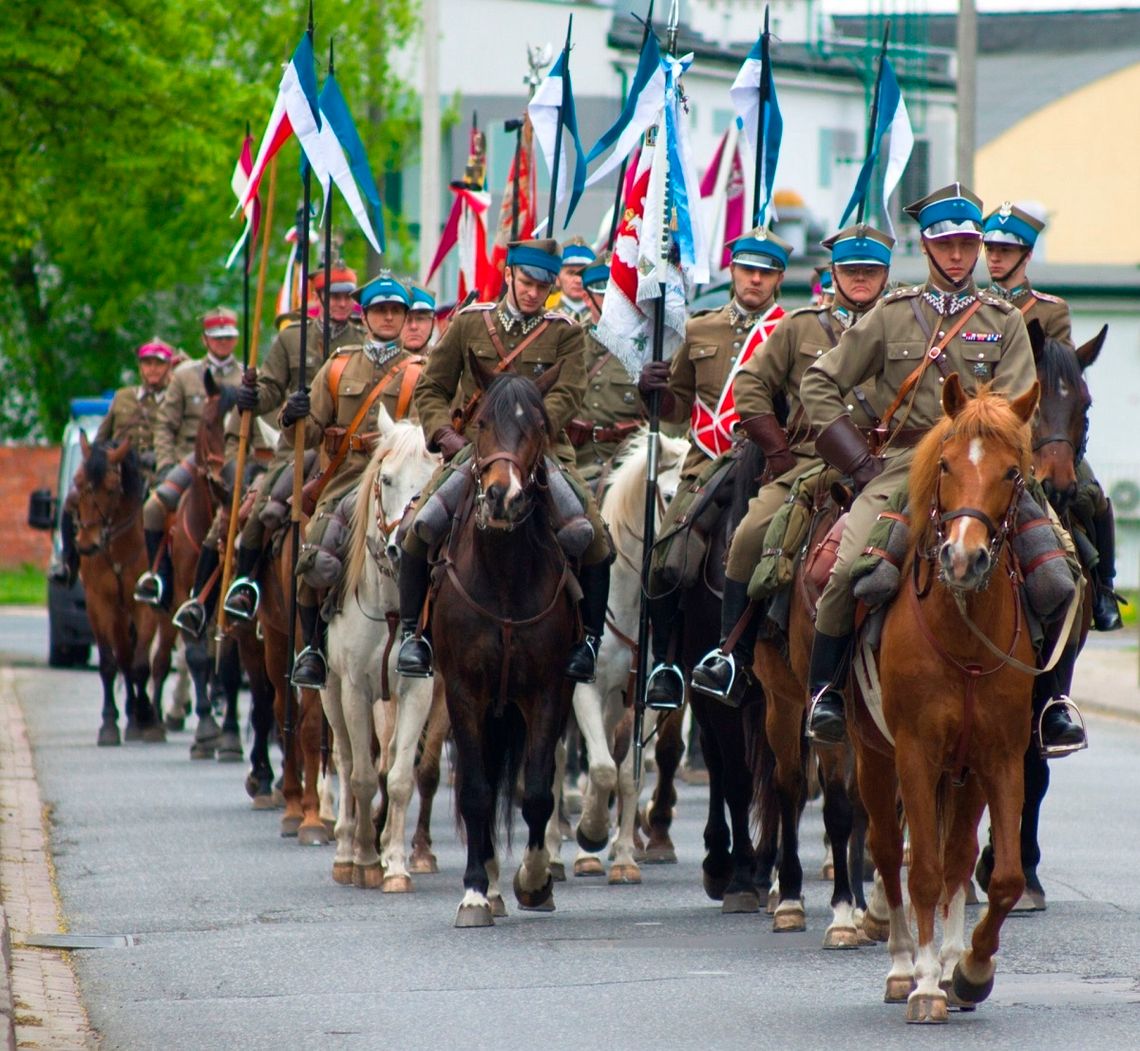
(1107, 679)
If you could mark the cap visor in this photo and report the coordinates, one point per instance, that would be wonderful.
(222, 332)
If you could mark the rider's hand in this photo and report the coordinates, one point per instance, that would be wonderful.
(296, 408)
(866, 471)
(654, 376)
(448, 441)
(247, 391)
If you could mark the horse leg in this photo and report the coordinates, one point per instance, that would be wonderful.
(857, 846)
(413, 707)
(476, 801)
(138, 642)
(659, 815)
(423, 861)
(207, 733)
(960, 851)
(312, 831)
(229, 678)
(534, 884)
(784, 725)
(259, 781)
(838, 821)
(108, 669)
(332, 699)
(156, 637)
(723, 728)
(593, 831)
(716, 866)
(1036, 772)
(624, 869)
(553, 835)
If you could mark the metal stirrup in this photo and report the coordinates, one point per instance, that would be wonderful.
(241, 614)
(809, 732)
(663, 669)
(1056, 751)
(708, 691)
(159, 587)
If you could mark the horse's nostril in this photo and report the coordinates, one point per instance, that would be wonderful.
(982, 562)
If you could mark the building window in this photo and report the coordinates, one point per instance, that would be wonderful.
(836, 146)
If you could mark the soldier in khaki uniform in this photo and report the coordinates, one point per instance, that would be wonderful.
(518, 334)
(983, 339)
(611, 410)
(264, 391)
(570, 298)
(860, 263)
(419, 325)
(697, 386)
(174, 435)
(379, 372)
(1009, 235)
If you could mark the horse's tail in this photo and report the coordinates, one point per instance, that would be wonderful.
(358, 529)
(765, 805)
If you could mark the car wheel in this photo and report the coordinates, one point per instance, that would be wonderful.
(61, 655)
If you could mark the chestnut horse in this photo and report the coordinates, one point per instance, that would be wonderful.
(503, 620)
(109, 539)
(958, 717)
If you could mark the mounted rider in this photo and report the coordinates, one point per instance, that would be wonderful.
(174, 433)
(946, 322)
(341, 413)
(698, 386)
(1010, 234)
(571, 297)
(515, 334)
(860, 265)
(419, 325)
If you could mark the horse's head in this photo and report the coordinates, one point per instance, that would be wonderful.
(969, 471)
(1061, 428)
(403, 467)
(511, 433)
(108, 487)
(210, 441)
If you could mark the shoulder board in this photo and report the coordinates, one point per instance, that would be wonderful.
(478, 307)
(996, 301)
(704, 313)
(1045, 297)
(347, 348)
(295, 323)
(557, 315)
(905, 292)
(815, 308)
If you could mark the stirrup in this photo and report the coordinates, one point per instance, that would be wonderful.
(809, 732)
(712, 691)
(1056, 751)
(190, 617)
(312, 651)
(159, 590)
(413, 637)
(234, 591)
(665, 669)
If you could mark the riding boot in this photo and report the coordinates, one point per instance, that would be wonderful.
(415, 657)
(827, 677)
(243, 595)
(1057, 732)
(309, 669)
(64, 570)
(665, 688)
(193, 615)
(595, 583)
(1106, 608)
(151, 587)
(722, 674)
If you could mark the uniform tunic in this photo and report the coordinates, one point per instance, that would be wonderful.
(1052, 312)
(181, 409)
(611, 398)
(883, 350)
(132, 416)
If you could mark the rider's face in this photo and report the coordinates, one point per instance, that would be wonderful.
(956, 256)
(384, 320)
(754, 287)
(528, 294)
(339, 307)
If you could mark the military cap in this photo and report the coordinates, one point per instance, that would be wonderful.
(156, 348)
(220, 323)
(860, 245)
(823, 276)
(342, 279)
(383, 288)
(1011, 225)
(576, 254)
(596, 276)
(540, 259)
(760, 249)
(953, 211)
(422, 301)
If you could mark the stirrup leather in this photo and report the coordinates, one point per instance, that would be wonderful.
(808, 731)
(311, 650)
(1056, 751)
(710, 691)
(159, 588)
(665, 669)
(234, 591)
(185, 617)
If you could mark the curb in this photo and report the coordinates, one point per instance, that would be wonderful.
(7, 1005)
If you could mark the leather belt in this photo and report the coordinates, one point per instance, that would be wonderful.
(903, 437)
(617, 432)
(357, 443)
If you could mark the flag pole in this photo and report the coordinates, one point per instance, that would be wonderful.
(761, 138)
(652, 447)
(874, 111)
(558, 131)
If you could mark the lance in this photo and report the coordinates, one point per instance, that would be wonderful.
(761, 122)
(558, 131)
(874, 111)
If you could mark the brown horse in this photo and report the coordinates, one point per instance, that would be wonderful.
(958, 716)
(503, 621)
(109, 539)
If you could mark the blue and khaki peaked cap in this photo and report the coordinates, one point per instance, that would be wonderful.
(1011, 225)
(860, 245)
(540, 259)
(760, 249)
(383, 288)
(953, 211)
(576, 254)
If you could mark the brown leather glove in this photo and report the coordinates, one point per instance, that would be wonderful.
(843, 446)
(447, 441)
(579, 432)
(766, 432)
(655, 377)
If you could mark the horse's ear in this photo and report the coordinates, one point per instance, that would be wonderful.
(1088, 352)
(384, 423)
(548, 378)
(1036, 340)
(953, 396)
(84, 444)
(119, 453)
(210, 383)
(1025, 406)
(483, 375)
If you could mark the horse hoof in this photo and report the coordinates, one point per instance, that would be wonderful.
(229, 748)
(133, 732)
(789, 917)
(968, 992)
(591, 846)
(715, 886)
(368, 877)
(540, 900)
(624, 876)
(898, 989)
(740, 901)
(841, 938)
(1030, 901)
(773, 900)
(290, 826)
(278, 796)
(423, 863)
(174, 723)
(154, 734)
(396, 884)
(264, 801)
(558, 871)
(474, 916)
(927, 1008)
(342, 873)
(659, 854)
(588, 866)
(208, 732)
(877, 930)
(109, 735)
(201, 751)
(498, 906)
(312, 835)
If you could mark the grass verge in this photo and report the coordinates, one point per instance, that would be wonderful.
(26, 586)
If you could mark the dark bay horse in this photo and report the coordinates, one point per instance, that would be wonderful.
(503, 621)
(109, 539)
(958, 717)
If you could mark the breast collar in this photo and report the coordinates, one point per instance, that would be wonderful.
(381, 353)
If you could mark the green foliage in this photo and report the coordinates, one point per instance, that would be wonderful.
(26, 586)
(123, 120)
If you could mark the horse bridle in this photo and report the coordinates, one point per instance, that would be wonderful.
(108, 530)
(529, 476)
(1063, 439)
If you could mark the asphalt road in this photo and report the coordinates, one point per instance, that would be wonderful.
(243, 941)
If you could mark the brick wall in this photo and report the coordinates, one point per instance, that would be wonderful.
(22, 469)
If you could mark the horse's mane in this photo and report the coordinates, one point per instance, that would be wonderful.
(1058, 365)
(130, 477)
(987, 416)
(624, 502)
(499, 407)
(406, 439)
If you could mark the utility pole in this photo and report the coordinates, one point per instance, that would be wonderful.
(429, 133)
(967, 90)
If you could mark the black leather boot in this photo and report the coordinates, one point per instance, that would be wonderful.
(595, 583)
(64, 571)
(725, 675)
(1106, 609)
(665, 688)
(309, 669)
(243, 595)
(194, 614)
(415, 657)
(151, 587)
(827, 677)
(1057, 732)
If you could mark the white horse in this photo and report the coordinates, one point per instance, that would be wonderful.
(599, 707)
(362, 637)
